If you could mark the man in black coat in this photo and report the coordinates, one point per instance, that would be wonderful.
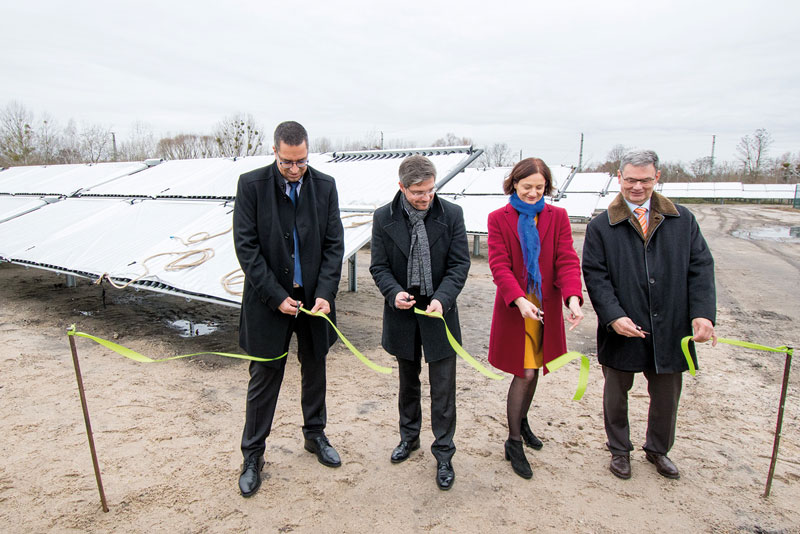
(289, 241)
(420, 258)
(650, 276)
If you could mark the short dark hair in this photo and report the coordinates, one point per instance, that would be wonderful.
(415, 169)
(292, 133)
(529, 167)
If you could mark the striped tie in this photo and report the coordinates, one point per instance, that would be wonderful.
(641, 216)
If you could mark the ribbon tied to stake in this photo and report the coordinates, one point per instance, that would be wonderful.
(783, 349)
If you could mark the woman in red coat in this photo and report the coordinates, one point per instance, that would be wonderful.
(535, 268)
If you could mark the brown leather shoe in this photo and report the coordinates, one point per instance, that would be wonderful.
(664, 465)
(621, 466)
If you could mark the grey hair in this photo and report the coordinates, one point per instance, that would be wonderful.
(416, 169)
(639, 158)
(291, 133)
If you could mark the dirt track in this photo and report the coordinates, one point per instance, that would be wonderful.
(168, 433)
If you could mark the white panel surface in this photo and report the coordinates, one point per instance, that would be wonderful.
(11, 207)
(62, 179)
(93, 236)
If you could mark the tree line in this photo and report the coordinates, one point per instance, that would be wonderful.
(28, 140)
(752, 165)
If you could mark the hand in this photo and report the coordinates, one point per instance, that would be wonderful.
(289, 306)
(703, 331)
(576, 314)
(434, 306)
(404, 301)
(528, 310)
(625, 327)
(321, 305)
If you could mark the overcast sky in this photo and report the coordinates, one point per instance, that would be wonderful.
(661, 75)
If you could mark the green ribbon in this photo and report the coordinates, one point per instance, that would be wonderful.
(366, 361)
(141, 358)
(736, 343)
(133, 355)
(583, 376)
(458, 348)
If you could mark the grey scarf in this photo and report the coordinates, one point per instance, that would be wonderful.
(419, 257)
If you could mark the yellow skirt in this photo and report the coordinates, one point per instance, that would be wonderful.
(534, 353)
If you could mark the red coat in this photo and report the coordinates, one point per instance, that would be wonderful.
(561, 279)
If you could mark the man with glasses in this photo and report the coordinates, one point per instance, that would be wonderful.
(289, 241)
(420, 259)
(650, 276)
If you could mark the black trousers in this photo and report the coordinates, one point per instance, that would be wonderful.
(265, 384)
(665, 392)
(442, 377)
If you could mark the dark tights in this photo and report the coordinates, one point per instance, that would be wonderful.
(520, 395)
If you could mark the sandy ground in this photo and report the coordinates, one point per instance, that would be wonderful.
(168, 433)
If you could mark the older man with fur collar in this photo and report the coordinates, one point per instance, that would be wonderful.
(650, 277)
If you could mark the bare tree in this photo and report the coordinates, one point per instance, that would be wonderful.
(17, 136)
(752, 151)
(321, 145)
(701, 168)
(497, 155)
(187, 146)
(94, 140)
(674, 172)
(611, 165)
(140, 144)
(239, 135)
(69, 150)
(450, 139)
(49, 141)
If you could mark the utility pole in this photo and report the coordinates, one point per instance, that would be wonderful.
(381, 140)
(711, 170)
(580, 156)
(114, 145)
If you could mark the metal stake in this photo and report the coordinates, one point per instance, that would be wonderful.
(88, 423)
(780, 421)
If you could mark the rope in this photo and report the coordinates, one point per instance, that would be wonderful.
(235, 277)
(177, 264)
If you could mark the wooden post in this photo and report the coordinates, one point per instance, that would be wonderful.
(777, 441)
(87, 422)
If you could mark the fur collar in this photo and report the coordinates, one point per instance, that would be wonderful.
(618, 210)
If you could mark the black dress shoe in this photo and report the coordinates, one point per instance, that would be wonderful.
(664, 465)
(326, 454)
(516, 455)
(529, 437)
(250, 479)
(401, 452)
(621, 466)
(445, 475)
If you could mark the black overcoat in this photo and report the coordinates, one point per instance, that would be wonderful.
(263, 219)
(391, 243)
(661, 283)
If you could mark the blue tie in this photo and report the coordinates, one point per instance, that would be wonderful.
(298, 275)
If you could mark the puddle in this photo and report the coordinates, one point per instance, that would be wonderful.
(786, 234)
(190, 329)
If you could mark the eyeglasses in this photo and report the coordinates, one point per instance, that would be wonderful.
(643, 181)
(302, 164)
(420, 194)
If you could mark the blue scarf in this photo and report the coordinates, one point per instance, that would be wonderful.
(529, 239)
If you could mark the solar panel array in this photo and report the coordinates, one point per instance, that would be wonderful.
(167, 227)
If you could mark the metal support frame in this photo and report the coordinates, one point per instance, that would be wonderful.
(352, 271)
(476, 245)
